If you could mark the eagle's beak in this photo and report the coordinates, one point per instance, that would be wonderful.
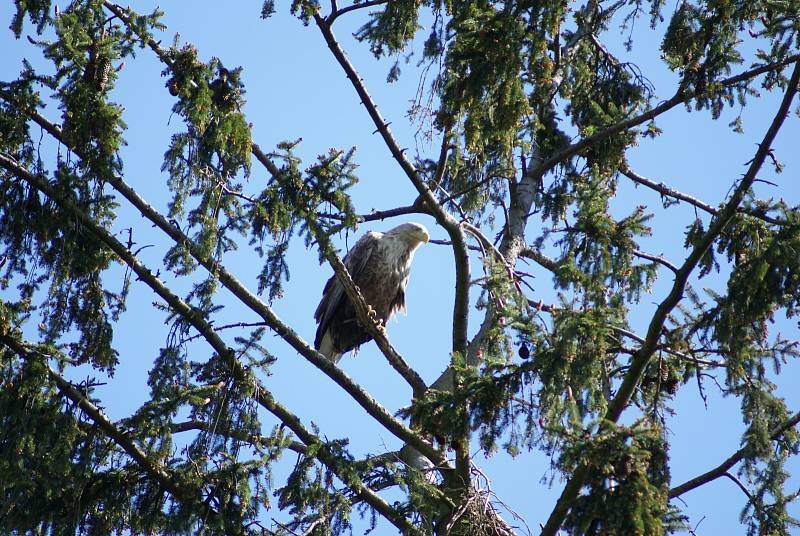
(425, 237)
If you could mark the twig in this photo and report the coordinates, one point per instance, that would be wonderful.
(228, 326)
(740, 484)
(656, 258)
(376, 215)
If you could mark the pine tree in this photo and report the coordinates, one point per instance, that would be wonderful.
(533, 118)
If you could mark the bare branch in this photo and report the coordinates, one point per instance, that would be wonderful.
(656, 258)
(336, 13)
(725, 466)
(666, 191)
(377, 215)
(539, 258)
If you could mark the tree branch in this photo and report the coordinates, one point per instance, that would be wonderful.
(641, 358)
(656, 258)
(679, 97)
(666, 191)
(196, 319)
(336, 13)
(735, 458)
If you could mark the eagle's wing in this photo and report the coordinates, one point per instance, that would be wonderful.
(333, 294)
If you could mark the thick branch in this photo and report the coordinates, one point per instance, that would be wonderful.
(725, 466)
(642, 357)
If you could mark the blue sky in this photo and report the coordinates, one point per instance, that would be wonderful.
(296, 89)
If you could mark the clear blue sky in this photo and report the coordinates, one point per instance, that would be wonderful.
(296, 89)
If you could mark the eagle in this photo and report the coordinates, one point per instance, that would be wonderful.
(380, 264)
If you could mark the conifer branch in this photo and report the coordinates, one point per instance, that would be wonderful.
(336, 465)
(364, 399)
(681, 96)
(120, 438)
(539, 258)
(735, 458)
(642, 356)
(367, 402)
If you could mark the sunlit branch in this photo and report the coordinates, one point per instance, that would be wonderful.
(705, 362)
(666, 191)
(443, 218)
(233, 325)
(642, 357)
(725, 466)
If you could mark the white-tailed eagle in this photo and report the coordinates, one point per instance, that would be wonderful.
(379, 264)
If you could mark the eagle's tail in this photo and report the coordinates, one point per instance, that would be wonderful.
(326, 348)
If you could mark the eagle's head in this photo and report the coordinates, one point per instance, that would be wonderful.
(412, 233)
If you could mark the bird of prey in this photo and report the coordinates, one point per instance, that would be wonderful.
(380, 264)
